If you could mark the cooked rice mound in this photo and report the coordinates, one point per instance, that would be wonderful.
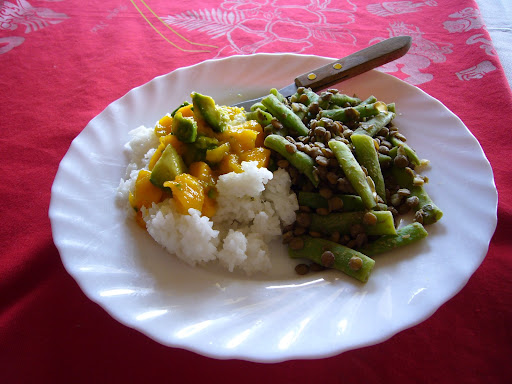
(252, 208)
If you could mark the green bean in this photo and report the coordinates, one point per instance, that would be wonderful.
(353, 172)
(411, 153)
(354, 113)
(262, 117)
(430, 212)
(384, 160)
(255, 106)
(276, 93)
(344, 221)
(372, 126)
(310, 97)
(392, 107)
(347, 260)
(300, 160)
(367, 156)
(285, 115)
(351, 203)
(405, 235)
(370, 100)
(342, 100)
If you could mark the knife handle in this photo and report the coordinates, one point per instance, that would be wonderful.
(356, 63)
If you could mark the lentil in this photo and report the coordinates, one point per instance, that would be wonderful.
(302, 269)
(369, 218)
(327, 259)
(296, 243)
(355, 263)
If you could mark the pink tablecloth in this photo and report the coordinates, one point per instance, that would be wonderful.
(64, 61)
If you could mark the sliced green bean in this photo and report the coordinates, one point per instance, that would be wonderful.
(285, 115)
(430, 212)
(411, 153)
(372, 126)
(353, 172)
(262, 117)
(347, 260)
(276, 93)
(354, 113)
(351, 203)
(255, 106)
(342, 100)
(367, 156)
(370, 100)
(343, 222)
(384, 160)
(405, 235)
(304, 163)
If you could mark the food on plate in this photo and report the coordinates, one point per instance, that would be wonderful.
(326, 173)
(199, 183)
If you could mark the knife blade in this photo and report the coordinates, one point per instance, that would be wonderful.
(350, 66)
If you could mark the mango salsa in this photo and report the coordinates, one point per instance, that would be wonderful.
(204, 155)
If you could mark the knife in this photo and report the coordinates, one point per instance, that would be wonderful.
(345, 68)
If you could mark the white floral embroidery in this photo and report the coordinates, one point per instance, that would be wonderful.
(8, 43)
(255, 26)
(486, 44)
(422, 53)
(477, 71)
(467, 19)
(390, 8)
(22, 13)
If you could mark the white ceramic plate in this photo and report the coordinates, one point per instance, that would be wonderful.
(280, 316)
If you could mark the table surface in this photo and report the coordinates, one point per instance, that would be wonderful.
(64, 61)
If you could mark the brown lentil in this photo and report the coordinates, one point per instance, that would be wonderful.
(299, 231)
(327, 259)
(283, 163)
(322, 211)
(369, 218)
(290, 148)
(401, 161)
(303, 219)
(296, 243)
(356, 229)
(302, 269)
(335, 204)
(287, 237)
(355, 263)
(412, 201)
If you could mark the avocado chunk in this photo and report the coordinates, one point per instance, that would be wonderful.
(168, 166)
(184, 128)
(206, 110)
(205, 142)
(185, 103)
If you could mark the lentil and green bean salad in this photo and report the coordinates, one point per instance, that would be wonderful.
(354, 175)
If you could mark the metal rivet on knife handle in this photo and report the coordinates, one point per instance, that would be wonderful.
(337, 66)
(311, 76)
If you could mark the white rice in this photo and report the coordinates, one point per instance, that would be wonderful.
(252, 208)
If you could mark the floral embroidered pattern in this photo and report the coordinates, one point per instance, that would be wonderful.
(22, 13)
(260, 26)
(467, 19)
(486, 44)
(477, 71)
(421, 55)
(390, 8)
(8, 43)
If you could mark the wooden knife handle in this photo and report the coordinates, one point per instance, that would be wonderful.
(356, 63)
